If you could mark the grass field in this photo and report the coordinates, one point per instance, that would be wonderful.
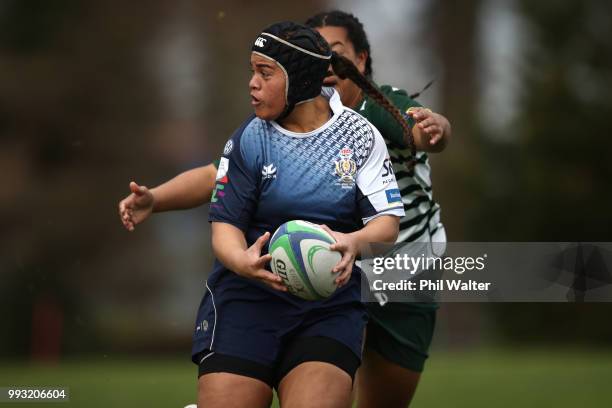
(470, 379)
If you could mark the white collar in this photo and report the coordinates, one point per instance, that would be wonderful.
(336, 106)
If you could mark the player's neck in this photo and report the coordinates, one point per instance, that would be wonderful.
(353, 97)
(307, 116)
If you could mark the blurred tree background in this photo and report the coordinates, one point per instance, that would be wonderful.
(95, 94)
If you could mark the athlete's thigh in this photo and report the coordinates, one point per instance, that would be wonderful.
(381, 383)
(315, 384)
(397, 343)
(225, 390)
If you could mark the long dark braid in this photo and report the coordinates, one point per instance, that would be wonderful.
(344, 69)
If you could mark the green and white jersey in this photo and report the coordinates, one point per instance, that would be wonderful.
(422, 220)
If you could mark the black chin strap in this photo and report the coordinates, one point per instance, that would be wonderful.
(288, 109)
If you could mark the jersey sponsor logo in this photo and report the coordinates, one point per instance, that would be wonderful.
(346, 168)
(260, 42)
(393, 196)
(268, 171)
(229, 146)
(388, 175)
(388, 168)
(222, 180)
(223, 167)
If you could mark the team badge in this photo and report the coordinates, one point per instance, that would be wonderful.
(346, 168)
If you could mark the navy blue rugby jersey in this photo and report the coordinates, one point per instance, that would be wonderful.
(339, 175)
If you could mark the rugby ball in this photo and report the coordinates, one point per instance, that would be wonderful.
(301, 257)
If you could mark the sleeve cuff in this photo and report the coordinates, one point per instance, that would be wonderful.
(398, 212)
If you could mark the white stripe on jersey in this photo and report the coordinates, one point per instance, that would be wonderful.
(418, 201)
(420, 186)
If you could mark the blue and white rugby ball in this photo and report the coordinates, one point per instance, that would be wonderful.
(301, 257)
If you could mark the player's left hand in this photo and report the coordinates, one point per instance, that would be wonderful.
(348, 246)
(431, 123)
(253, 264)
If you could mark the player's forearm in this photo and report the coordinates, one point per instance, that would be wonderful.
(187, 190)
(228, 245)
(381, 229)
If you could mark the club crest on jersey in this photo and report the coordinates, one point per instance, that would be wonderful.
(346, 168)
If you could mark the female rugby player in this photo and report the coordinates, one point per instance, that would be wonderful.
(408, 329)
(250, 335)
(398, 334)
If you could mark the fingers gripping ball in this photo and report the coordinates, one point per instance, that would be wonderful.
(301, 257)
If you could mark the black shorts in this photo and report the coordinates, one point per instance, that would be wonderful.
(401, 332)
(298, 351)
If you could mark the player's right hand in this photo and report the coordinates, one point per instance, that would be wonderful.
(348, 247)
(253, 265)
(136, 207)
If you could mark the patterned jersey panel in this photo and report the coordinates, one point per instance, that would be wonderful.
(337, 175)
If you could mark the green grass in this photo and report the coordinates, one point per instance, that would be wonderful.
(517, 379)
(470, 379)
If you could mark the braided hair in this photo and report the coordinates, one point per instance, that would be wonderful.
(344, 68)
